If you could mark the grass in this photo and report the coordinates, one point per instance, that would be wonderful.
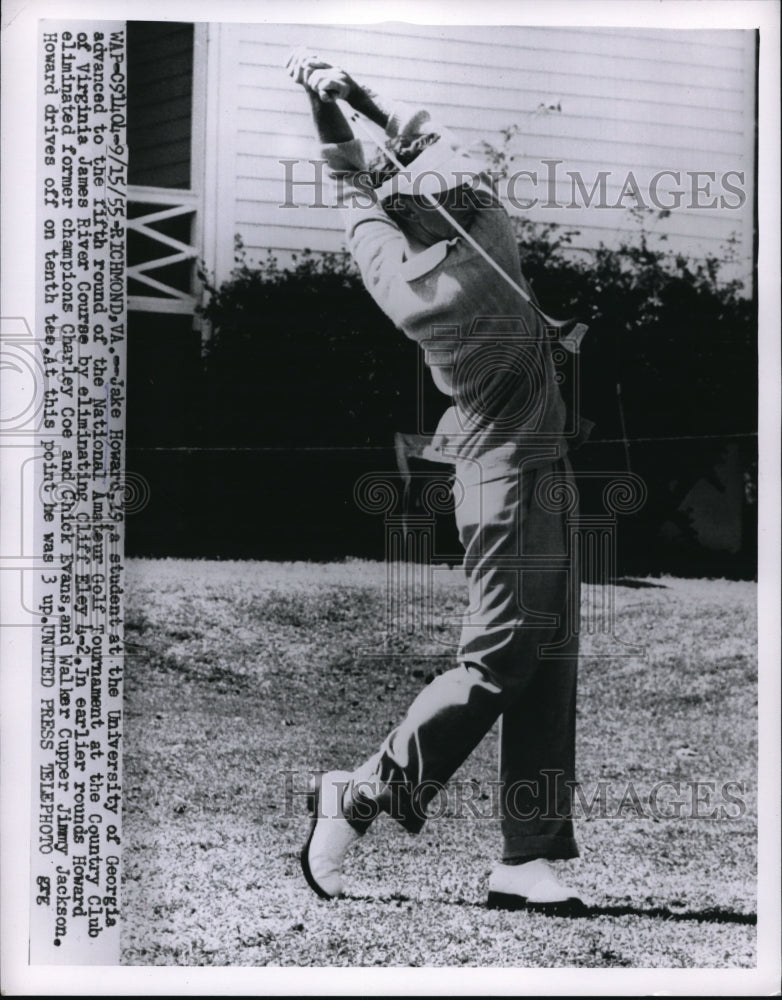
(241, 672)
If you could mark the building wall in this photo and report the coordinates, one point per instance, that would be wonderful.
(160, 73)
(614, 100)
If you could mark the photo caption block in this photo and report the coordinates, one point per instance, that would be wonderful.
(79, 494)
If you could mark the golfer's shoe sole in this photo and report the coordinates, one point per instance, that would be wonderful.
(313, 806)
(571, 907)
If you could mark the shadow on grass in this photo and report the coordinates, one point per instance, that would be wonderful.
(710, 915)
(628, 581)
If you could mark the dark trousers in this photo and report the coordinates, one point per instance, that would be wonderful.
(517, 660)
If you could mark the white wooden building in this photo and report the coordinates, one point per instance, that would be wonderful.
(212, 113)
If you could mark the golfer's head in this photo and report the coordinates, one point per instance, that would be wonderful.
(431, 191)
(420, 219)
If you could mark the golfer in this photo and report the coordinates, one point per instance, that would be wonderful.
(436, 251)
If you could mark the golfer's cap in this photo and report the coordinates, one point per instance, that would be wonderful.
(438, 168)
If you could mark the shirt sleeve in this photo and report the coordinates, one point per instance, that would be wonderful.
(378, 248)
(416, 295)
(377, 244)
(411, 121)
(343, 159)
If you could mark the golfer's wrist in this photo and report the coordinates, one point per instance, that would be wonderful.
(358, 99)
(367, 103)
(329, 121)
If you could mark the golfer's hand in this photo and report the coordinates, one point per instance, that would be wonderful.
(315, 74)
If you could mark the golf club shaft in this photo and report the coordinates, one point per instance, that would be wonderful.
(357, 119)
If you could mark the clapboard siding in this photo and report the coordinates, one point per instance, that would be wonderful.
(160, 85)
(631, 100)
(709, 227)
(542, 87)
(536, 72)
(508, 101)
(257, 200)
(664, 138)
(261, 155)
(262, 152)
(500, 47)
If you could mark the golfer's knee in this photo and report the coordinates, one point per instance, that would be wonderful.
(482, 675)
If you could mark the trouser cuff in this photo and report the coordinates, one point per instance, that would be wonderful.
(521, 849)
(360, 812)
(400, 800)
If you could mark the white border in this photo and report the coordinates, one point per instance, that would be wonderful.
(18, 299)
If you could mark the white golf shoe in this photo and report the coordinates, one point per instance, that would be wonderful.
(532, 886)
(330, 837)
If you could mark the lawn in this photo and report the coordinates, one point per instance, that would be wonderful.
(243, 677)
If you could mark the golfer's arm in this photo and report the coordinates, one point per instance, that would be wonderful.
(410, 120)
(378, 248)
(369, 104)
(330, 124)
(394, 118)
(380, 251)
